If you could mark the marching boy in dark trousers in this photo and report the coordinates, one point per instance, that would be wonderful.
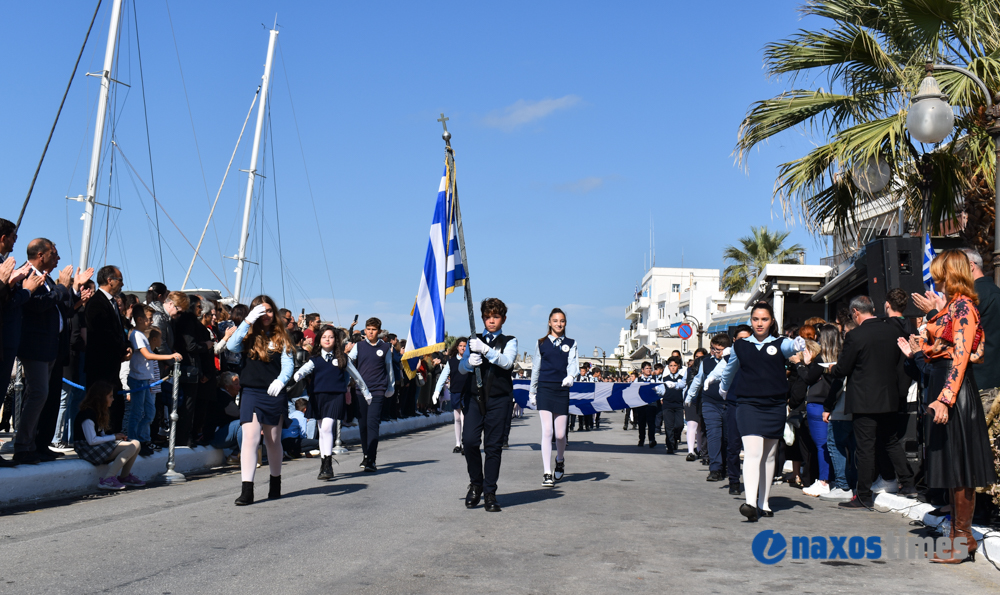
(373, 359)
(493, 354)
(673, 403)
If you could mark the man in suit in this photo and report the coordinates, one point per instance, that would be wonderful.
(873, 363)
(107, 343)
(43, 319)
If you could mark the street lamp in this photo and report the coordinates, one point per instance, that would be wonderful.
(604, 357)
(931, 119)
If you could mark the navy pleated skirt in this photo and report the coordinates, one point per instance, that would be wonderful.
(762, 416)
(552, 396)
(328, 405)
(269, 409)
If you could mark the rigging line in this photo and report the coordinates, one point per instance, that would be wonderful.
(157, 201)
(149, 144)
(277, 219)
(204, 180)
(219, 193)
(58, 113)
(312, 198)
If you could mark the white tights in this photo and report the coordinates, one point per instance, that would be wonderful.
(248, 452)
(692, 433)
(758, 469)
(459, 421)
(326, 430)
(560, 431)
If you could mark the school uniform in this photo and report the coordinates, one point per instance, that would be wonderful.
(374, 362)
(646, 415)
(329, 385)
(456, 383)
(557, 360)
(763, 388)
(672, 408)
(488, 429)
(734, 439)
(257, 376)
(713, 412)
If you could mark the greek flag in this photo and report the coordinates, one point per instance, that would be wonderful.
(586, 398)
(928, 257)
(443, 272)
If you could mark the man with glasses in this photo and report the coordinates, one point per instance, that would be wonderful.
(713, 407)
(107, 340)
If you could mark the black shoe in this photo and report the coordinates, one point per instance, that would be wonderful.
(461, 449)
(5, 463)
(457, 449)
(156, 447)
(246, 497)
(715, 476)
(146, 450)
(734, 489)
(364, 463)
(764, 513)
(691, 457)
(652, 443)
(642, 443)
(635, 427)
(704, 461)
(46, 456)
(370, 467)
(26, 458)
(325, 468)
(908, 492)
(560, 470)
(749, 511)
(472, 498)
(275, 490)
(506, 446)
(856, 503)
(491, 503)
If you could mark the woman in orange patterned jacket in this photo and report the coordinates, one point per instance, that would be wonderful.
(958, 455)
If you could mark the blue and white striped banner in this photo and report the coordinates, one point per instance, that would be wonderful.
(928, 257)
(586, 398)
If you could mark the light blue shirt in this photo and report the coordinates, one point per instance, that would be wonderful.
(787, 347)
(235, 344)
(572, 365)
(504, 359)
(699, 379)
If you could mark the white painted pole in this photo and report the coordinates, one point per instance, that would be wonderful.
(95, 155)
(252, 174)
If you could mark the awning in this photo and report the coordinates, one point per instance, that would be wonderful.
(722, 324)
(844, 282)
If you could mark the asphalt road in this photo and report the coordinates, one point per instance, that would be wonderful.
(624, 519)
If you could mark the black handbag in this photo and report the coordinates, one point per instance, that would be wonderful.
(190, 374)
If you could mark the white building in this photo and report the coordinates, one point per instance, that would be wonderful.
(668, 298)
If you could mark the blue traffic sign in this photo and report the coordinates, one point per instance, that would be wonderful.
(685, 331)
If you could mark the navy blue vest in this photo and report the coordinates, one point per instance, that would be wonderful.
(762, 374)
(371, 365)
(328, 377)
(500, 381)
(258, 374)
(457, 380)
(711, 393)
(552, 368)
(674, 397)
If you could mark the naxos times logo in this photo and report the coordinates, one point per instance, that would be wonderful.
(771, 547)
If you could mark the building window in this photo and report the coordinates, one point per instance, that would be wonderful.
(722, 307)
(675, 287)
(695, 285)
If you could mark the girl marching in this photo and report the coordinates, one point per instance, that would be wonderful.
(456, 386)
(269, 367)
(551, 378)
(332, 371)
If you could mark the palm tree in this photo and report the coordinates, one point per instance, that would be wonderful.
(871, 55)
(759, 249)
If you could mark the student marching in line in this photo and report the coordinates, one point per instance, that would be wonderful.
(672, 404)
(763, 394)
(556, 362)
(263, 406)
(734, 440)
(373, 359)
(331, 372)
(692, 412)
(647, 413)
(456, 386)
(493, 353)
(713, 407)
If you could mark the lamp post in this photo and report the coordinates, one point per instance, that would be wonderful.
(930, 120)
(604, 358)
(701, 329)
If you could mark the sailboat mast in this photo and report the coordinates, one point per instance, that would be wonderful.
(95, 156)
(252, 172)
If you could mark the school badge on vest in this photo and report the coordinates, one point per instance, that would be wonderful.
(380, 353)
(771, 350)
(565, 348)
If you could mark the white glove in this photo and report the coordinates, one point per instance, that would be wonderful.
(687, 401)
(304, 371)
(475, 360)
(670, 384)
(434, 398)
(256, 313)
(275, 389)
(799, 343)
(477, 346)
(709, 381)
(531, 400)
(723, 393)
(567, 382)
(368, 397)
(726, 351)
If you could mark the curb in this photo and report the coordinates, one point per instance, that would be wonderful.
(921, 511)
(28, 484)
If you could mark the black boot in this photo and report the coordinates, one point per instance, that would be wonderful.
(491, 503)
(472, 498)
(246, 497)
(325, 468)
(275, 492)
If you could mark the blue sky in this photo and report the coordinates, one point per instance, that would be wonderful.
(573, 123)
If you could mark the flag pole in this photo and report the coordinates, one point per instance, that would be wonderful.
(453, 182)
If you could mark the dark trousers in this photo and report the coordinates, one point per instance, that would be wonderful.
(628, 413)
(50, 411)
(486, 430)
(369, 418)
(108, 372)
(646, 418)
(36, 393)
(507, 421)
(673, 422)
(734, 443)
(874, 431)
(185, 412)
(714, 415)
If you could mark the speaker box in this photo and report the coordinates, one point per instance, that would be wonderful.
(895, 262)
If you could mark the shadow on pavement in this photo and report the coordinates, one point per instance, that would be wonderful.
(528, 497)
(329, 489)
(782, 503)
(398, 467)
(592, 476)
(586, 446)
